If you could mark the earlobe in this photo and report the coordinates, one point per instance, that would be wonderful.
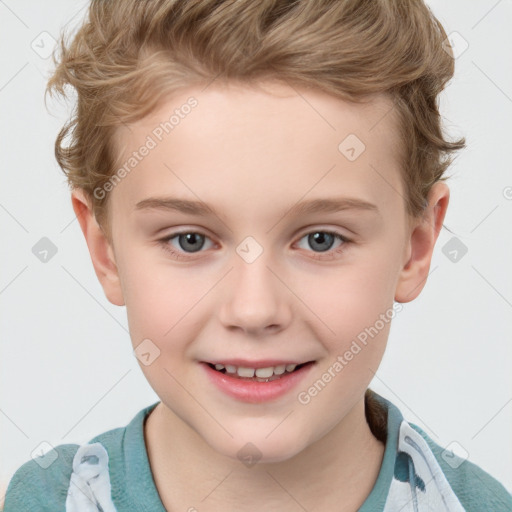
(100, 249)
(421, 243)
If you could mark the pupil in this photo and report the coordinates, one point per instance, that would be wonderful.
(320, 237)
(191, 241)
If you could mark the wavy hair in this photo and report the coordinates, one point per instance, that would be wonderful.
(127, 55)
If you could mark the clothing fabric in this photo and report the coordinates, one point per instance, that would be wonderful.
(111, 473)
(89, 486)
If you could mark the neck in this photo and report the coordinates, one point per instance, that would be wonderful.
(190, 473)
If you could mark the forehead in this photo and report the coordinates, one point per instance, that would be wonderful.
(269, 143)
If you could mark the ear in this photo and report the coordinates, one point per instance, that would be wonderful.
(101, 251)
(424, 233)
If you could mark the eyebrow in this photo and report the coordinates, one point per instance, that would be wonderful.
(324, 205)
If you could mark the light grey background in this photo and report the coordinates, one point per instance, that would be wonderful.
(67, 371)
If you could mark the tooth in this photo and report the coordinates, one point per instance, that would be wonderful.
(279, 370)
(290, 367)
(230, 368)
(245, 372)
(265, 373)
(219, 366)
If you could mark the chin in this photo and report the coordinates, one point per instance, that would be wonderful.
(257, 449)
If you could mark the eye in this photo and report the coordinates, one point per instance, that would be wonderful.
(187, 242)
(190, 242)
(323, 242)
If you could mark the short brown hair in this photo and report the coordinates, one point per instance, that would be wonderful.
(128, 55)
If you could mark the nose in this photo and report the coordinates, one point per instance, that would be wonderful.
(257, 300)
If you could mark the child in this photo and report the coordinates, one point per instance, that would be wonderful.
(258, 129)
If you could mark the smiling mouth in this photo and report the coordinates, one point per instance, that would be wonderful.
(260, 374)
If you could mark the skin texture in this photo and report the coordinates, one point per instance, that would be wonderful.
(252, 154)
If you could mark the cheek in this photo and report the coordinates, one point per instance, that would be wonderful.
(158, 295)
(161, 313)
(359, 318)
(351, 297)
(353, 309)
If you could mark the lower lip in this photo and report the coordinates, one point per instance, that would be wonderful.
(254, 391)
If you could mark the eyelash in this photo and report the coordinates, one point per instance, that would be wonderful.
(330, 253)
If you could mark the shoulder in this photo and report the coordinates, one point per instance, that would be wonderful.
(46, 483)
(419, 474)
(43, 483)
(475, 488)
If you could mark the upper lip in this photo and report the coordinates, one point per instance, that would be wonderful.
(262, 363)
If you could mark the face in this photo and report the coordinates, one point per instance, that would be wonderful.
(258, 276)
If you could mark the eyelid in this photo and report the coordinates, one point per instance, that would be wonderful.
(314, 228)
